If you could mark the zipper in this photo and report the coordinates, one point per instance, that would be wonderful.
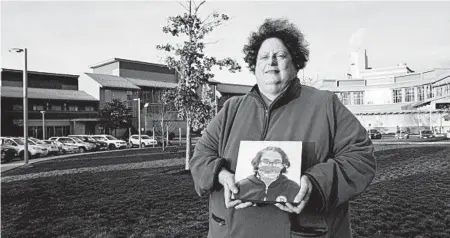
(265, 197)
(267, 110)
(266, 115)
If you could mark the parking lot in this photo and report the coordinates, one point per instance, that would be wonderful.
(13, 148)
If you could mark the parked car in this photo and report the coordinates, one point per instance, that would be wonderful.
(113, 143)
(54, 148)
(50, 150)
(402, 135)
(67, 148)
(99, 145)
(374, 134)
(8, 153)
(145, 141)
(83, 147)
(19, 146)
(43, 148)
(426, 134)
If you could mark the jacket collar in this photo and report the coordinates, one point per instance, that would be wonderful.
(256, 180)
(290, 93)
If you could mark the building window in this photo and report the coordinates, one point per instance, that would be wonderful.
(38, 107)
(345, 98)
(55, 108)
(108, 96)
(89, 108)
(428, 91)
(17, 107)
(397, 95)
(73, 108)
(446, 90)
(358, 98)
(439, 91)
(420, 94)
(409, 94)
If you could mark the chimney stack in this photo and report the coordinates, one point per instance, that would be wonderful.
(366, 60)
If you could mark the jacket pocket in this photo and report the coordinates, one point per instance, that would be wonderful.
(309, 225)
(217, 227)
(310, 232)
(220, 221)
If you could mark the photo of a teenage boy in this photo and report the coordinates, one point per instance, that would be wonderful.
(268, 182)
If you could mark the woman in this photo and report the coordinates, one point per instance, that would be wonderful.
(339, 161)
(268, 184)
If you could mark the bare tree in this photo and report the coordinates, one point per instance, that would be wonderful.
(165, 120)
(193, 66)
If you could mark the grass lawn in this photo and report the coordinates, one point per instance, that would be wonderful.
(408, 198)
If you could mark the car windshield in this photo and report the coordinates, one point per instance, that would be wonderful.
(77, 140)
(110, 138)
(19, 141)
(31, 142)
(145, 137)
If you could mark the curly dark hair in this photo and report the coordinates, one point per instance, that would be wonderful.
(284, 158)
(284, 30)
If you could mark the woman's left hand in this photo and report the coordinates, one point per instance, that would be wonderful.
(302, 197)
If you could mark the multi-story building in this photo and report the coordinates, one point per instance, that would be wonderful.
(66, 109)
(396, 97)
(127, 80)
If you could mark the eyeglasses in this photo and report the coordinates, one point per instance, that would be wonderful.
(267, 163)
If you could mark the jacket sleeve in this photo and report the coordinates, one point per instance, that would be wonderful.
(206, 164)
(352, 165)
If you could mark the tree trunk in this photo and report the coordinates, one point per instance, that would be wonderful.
(188, 143)
(162, 127)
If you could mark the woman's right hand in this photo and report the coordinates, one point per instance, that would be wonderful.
(226, 178)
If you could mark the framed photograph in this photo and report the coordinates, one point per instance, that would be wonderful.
(268, 172)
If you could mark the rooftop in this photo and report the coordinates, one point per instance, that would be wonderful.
(110, 61)
(112, 81)
(151, 83)
(44, 93)
(40, 73)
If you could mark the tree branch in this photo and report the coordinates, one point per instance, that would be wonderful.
(198, 7)
(185, 8)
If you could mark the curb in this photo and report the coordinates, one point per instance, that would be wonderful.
(17, 164)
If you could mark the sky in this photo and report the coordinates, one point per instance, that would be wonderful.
(68, 37)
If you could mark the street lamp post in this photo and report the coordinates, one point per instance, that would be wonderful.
(145, 116)
(25, 101)
(139, 119)
(43, 125)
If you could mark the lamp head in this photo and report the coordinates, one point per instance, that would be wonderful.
(15, 50)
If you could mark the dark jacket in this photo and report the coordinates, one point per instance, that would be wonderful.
(253, 189)
(337, 157)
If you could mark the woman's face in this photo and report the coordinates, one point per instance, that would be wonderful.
(270, 165)
(274, 68)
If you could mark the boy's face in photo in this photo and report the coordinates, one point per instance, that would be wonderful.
(270, 165)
